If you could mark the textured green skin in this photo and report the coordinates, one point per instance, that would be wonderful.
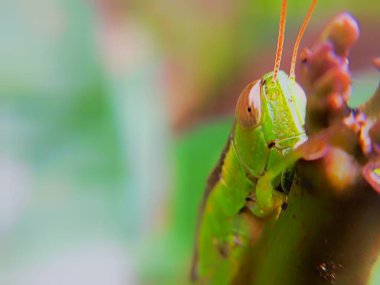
(224, 233)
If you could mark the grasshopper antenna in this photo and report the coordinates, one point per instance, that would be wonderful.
(292, 74)
(280, 41)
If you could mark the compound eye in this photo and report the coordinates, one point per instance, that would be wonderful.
(248, 107)
(300, 99)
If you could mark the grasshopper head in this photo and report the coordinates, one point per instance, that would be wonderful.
(283, 104)
(268, 114)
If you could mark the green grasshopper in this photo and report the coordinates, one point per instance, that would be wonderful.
(251, 176)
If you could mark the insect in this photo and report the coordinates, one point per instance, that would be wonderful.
(251, 178)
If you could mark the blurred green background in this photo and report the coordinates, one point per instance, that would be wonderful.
(112, 114)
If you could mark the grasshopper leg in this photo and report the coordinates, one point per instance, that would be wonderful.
(269, 200)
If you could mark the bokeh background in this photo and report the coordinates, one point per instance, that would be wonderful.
(112, 114)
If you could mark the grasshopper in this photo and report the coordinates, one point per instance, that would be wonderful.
(251, 176)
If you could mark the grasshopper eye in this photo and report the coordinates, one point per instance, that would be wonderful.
(300, 99)
(248, 107)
